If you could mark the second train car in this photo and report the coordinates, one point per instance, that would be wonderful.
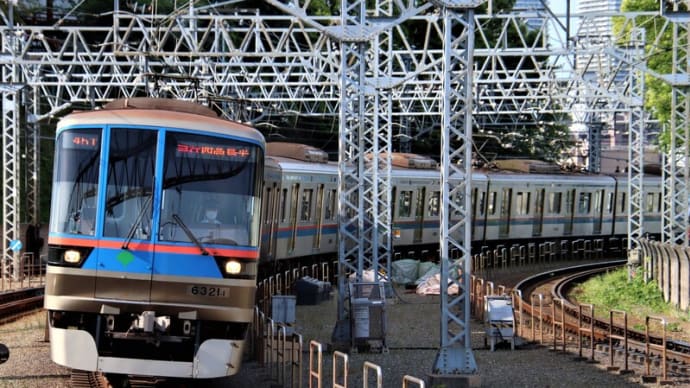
(510, 205)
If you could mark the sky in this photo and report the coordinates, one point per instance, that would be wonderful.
(558, 6)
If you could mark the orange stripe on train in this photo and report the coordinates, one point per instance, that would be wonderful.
(251, 253)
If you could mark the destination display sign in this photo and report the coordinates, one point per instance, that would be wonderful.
(213, 151)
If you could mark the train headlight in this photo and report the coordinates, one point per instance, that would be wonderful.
(71, 256)
(68, 256)
(236, 268)
(396, 233)
(233, 267)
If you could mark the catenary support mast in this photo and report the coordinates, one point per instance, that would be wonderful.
(455, 358)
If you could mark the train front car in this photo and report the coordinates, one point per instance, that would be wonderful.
(154, 240)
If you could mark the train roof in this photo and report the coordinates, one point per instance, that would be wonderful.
(296, 151)
(551, 178)
(404, 160)
(287, 164)
(147, 112)
(298, 158)
(527, 166)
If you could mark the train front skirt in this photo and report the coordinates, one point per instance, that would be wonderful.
(215, 358)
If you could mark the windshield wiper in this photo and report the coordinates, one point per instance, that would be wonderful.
(189, 234)
(137, 222)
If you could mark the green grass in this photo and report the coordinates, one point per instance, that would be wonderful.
(613, 291)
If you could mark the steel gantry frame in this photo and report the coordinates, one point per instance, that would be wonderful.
(675, 221)
(360, 67)
(636, 135)
(455, 357)
(11, 95)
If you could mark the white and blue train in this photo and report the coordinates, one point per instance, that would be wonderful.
(140, 281)
(508, 206)
(162, 215)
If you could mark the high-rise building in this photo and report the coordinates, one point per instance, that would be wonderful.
(536, 7)
(595, 63)
(596, 30)
(601, 25)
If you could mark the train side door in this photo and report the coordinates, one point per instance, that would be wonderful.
(270, 218)
(598, 211)
(477, 203)
(538, 223)
(610, 206)
(505, 211)
(569, 212)
(419, 215)
(306, 217)
(318, 214)
(294, 201)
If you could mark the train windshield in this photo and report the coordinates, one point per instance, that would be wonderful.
(75, 177)
(210, 190)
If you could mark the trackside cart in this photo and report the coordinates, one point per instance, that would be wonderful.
(368, 314)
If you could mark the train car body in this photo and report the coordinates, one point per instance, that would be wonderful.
(508, 206)
(137, 282)
(538, 206)
(301, 199)
(416, 201)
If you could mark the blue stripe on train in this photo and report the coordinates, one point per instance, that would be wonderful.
(141, 262)
(310, 230)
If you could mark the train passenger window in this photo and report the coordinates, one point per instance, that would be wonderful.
(554, 205)
(659, 202)
(585, 203)
(283, 205)
(459, 200)
(482, 202)
(331, 203)
(419, 208)
(319, 202)
(518, 203)
(267, 206)
(434, 203)
(305, 213)
(649, 203)
(570, 201)
(522, 202)
(405, 203)
(473, 201)
(294, 196)
(623, 204)
(609, 203)
(598, 196)
(491, 208)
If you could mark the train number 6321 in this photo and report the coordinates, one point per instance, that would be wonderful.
(208, 291)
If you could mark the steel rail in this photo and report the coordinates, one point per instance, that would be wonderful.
(676, 351)
(16, 304)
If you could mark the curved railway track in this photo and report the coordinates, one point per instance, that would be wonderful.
(606, 334)
(569, 319)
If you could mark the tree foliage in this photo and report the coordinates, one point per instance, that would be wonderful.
(545, 140)
(659, 52)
